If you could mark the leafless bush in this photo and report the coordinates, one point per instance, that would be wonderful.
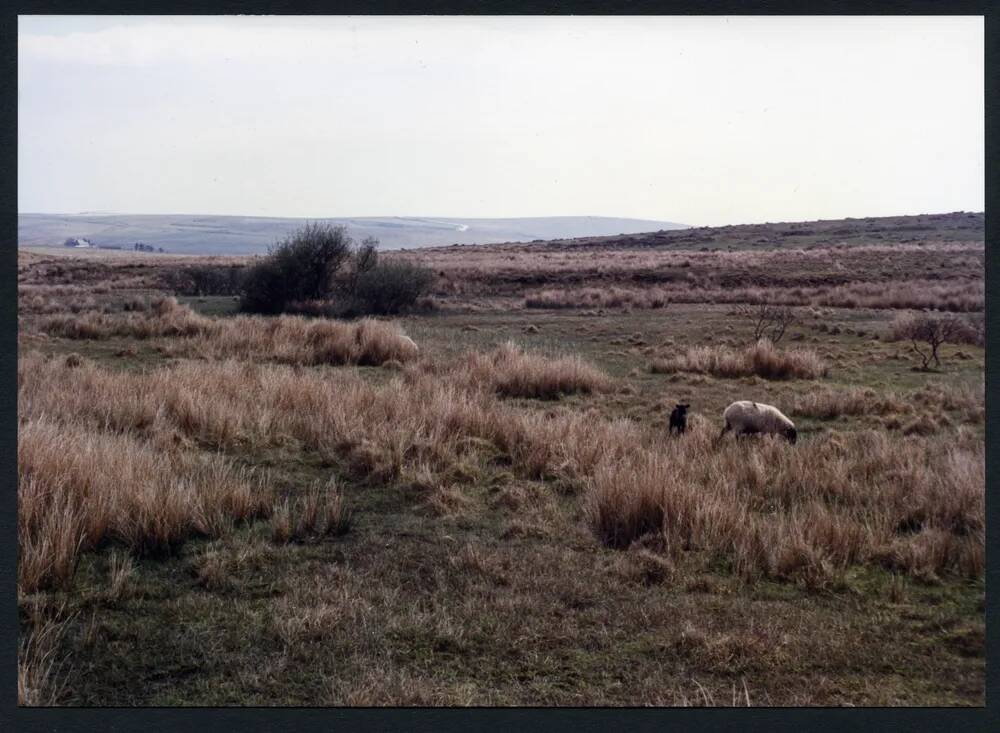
(927, 332)
(767, 320)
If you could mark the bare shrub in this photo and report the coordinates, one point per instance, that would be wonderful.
(761, 359)
(768, 321)
(211, 279)
(927, 332)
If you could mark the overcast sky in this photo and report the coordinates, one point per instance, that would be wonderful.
(703, 121)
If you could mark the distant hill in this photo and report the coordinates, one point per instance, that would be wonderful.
(959, 226)
(241, 235)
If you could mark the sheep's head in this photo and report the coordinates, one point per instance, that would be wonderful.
(681, 408)
(791, 435)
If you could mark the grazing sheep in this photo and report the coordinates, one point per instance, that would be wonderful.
(678, 419)
(746, 418)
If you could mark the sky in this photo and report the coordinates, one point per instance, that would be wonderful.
(699, 120)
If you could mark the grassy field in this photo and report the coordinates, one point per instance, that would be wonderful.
(218, 509)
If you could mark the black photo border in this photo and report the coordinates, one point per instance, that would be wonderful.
(522, 720)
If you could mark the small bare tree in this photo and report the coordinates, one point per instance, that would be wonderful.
(768, 320)
(926, 333)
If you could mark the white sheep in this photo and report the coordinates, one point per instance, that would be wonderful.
(410, 343)
(746, 418)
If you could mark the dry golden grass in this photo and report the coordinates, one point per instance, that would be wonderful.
(287, 339)
(828, 403)
(513, 373)
(303, 341)
(806, 511)
(39, 670)
(317, 514)
(482, 513)
(958, 295)
(164, 317)
(79, 488)
(762, 359)
(809, 510)
(413, 422)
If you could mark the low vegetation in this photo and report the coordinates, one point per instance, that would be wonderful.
(320, 264)
(286, 339)
(220, 509)
(760, 359)
(928, 332)
(79, 490)
(512, 372)
(808, 513)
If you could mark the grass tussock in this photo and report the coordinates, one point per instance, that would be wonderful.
(79, 489)
(761, 359)
(286, 339)
(302, 341)
(512, 372)
(960, 295)
(827, 403)
(317, 514)
(162, 318)
(40, 681)
(415, 423)
(806, 512)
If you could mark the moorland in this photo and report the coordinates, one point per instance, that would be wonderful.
(478, 502)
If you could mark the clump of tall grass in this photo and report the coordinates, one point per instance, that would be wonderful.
(915, 505)
(303, 341)
(317, 514)
(39, 670)
(762, 359)
(285, 339)
(164, 317)
(828, 403)
(512, 372)
(415, 421)
(79, 489)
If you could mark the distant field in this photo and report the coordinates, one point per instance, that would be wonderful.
(243, 235)
(219, 509)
